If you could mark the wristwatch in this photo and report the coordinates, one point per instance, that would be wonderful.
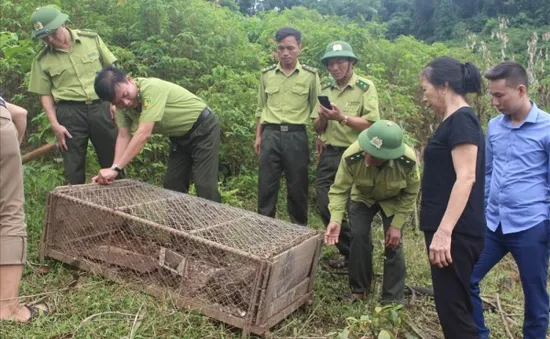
(116, 168)
(344, 121)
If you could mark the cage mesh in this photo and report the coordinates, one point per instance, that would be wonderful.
(210, 255)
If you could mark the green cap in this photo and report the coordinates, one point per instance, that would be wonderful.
(45, 20)
(338, 49)
(383, 140)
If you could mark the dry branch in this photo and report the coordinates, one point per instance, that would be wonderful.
(503, 317)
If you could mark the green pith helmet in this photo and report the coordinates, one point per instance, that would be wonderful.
(45, 20)
(338, 49)
(383, 140)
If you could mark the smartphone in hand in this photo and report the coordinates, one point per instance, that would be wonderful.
(323, 100)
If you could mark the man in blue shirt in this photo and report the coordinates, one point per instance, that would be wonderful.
(517, 196)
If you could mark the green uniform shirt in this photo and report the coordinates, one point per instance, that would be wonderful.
(394, 185)
(70, 75)
(288, 99)
(358, 99)
(172, 108)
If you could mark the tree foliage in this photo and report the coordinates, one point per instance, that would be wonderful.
(216, 51)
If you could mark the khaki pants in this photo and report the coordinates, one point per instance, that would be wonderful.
(13, 230)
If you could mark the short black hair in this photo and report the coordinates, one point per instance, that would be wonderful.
(460, 77)
(511, 71)
(286, 32)
(106, 81)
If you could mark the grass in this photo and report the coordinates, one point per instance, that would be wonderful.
(88, 306)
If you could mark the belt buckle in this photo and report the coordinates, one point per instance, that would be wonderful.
(88, 102)
(284, 128)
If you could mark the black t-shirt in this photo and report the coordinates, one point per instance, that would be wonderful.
(461, 127)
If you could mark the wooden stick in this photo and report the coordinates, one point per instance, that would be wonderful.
(38, 152)
(503, 318)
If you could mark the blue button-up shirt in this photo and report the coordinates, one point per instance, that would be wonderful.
(517, 173)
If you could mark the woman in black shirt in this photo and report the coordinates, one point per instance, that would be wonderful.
(452, 208)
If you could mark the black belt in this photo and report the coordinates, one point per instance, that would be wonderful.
(336, 148)
(284, 127)
(72, 102)
(204, 114)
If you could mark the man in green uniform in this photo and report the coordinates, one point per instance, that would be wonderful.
(382, 175)
(63, 74)
(287, 100)
(354, 108)
(157, 106)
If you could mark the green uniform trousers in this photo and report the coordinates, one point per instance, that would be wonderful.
(94, 122)
(326, 172)
(195, 156)
(284, 149)
(360, 260)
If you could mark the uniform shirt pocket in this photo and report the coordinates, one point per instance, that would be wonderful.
(56, 74)
(91, 62)
(394, 187)
(365, 186)
(298, 98)
(273, 95)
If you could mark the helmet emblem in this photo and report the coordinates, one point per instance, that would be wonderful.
(336, 47)
(376, 142)
(389, 124)
(38, 25)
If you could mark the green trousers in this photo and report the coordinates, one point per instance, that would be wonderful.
(195, 157)
(326, 172)
(85, 122)
(284, 152)
(360, 259)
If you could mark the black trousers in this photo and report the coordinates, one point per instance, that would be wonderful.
(86, 122)
(452, 286)
(196, 156)
(284, 152)
(360, 268)
(326, 172)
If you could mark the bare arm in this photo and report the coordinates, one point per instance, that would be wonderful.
(59, 130)
(49, 107)
(356, 123)
(320, 125)
(19, 118)
(130, 148)
(464, 162)
(123, 139)
(258, 141)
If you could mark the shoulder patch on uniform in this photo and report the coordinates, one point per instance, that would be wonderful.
(355, 157)
(147, 103)
(363, 85)
(269, 68)
(327, 84)
(87, 33)
(409, 158)
(309, 68)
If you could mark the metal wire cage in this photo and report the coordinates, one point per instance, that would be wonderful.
(230, 264)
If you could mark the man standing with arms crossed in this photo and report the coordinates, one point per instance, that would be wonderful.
(287, 100)
(354, 108)
(517, 196)
(63, 75)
